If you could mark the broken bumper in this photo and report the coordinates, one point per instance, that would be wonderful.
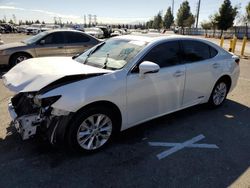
(25, 125)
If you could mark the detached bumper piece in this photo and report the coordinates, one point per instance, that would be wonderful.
(26, 125)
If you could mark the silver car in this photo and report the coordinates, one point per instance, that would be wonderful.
(48, 43)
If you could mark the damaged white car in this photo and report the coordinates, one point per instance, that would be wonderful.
(124, 81)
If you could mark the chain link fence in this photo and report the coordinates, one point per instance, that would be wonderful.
(239, 32)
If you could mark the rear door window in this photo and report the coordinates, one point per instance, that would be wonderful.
(75, 37)
(195, 51)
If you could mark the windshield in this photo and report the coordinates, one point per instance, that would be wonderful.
(113, 54)
(35, 38)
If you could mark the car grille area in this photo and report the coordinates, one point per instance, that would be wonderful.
(24, 105)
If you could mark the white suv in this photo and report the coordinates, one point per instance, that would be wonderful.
(116, 85)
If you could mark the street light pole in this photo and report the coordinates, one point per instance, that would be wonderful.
(198, 12)
(173, 7)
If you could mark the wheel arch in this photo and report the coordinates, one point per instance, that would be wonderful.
(227, 79)
(62, 131)
(19, 52)
(107, 104)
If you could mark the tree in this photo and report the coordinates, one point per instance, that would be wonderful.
(149, 24)
(168, 19)
(184, 16)
(11, 21)
(206, 25)
(37, 22)
(157, 23)
(225, 18)
(214, 22)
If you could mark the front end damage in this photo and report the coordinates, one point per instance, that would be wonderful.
(32, 116)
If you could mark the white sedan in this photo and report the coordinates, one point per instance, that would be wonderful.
(115, 85)
(95, 32)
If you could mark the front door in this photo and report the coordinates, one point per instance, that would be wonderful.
(53, 45)
(156, 94)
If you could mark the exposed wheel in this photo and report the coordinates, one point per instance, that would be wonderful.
(219, 93)
(17, 58)
(91, 129)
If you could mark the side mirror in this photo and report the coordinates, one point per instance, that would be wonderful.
(147, 67)
(42, 42)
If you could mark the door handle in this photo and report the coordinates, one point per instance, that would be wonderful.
(60, 47)
(216, 65)
(178, 73)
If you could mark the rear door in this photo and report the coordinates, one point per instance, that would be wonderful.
(77, 43)
(201, 71)
(53, 45)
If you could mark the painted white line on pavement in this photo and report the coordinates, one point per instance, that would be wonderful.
(179, 146)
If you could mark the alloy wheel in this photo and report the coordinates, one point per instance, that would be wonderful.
(220, 93)
(94, 131)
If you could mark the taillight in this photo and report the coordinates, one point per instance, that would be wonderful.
(237, 61)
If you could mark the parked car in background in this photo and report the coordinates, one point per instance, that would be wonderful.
(106, 30)
(48, 27)
(116, 32)
(95, 32)
(115, 85)
(119, 32)
(1, 42)
(22, 28)
(34, 29)
(79, 27)
(2, 29)
(7, 28)
(48, 43)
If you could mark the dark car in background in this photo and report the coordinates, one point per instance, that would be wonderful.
(106, 30)
(7, 28)
(48, 43)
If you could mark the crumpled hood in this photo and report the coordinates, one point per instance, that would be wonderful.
(12, 45)
(36, 73)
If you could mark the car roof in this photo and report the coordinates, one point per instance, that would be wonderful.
(155, 37)
(63, 30)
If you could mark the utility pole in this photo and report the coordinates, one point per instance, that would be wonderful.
(85, 20)
(95, 20)
(173, 7)
(90, 20)
(198, 12)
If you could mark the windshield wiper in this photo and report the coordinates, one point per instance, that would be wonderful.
(90, 53)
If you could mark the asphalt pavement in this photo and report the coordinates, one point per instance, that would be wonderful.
(198, 147)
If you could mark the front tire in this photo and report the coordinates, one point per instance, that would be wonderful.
(91, 129)
(219, 94)
(17, 58)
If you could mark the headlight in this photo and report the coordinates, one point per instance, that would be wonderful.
(45, 102)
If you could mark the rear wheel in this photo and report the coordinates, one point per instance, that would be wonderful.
(219, 93)
(17, 58)
(91, 129)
